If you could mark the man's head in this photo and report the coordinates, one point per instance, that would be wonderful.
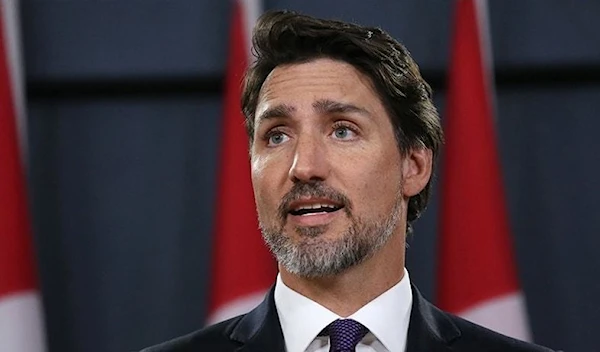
(341, 122)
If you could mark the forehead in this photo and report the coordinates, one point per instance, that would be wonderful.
(301, 84)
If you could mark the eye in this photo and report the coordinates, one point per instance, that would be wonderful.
(276, 137)
(343, 131)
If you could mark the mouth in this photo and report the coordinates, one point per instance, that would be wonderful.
(314, 212)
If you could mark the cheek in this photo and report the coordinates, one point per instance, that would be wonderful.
(264, 178)
(257, 166)
(377, 180)
(259, 174)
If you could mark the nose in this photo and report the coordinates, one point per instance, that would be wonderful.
(310, 161)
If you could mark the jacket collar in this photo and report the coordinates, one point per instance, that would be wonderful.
(429, 329)
(259, 330)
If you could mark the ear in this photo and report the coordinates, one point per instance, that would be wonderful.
(416, 170)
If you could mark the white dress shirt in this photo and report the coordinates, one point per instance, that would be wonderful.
(386, 317)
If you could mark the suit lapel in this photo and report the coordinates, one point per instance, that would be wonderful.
(429, 330)
(259, 330)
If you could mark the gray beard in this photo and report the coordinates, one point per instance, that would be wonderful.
(315, 257)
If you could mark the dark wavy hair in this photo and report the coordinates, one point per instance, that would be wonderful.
(285, 37)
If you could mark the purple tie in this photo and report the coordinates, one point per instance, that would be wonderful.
(344, 335)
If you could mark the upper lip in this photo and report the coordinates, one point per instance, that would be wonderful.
(313, 203)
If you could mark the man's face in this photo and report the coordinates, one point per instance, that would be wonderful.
(326, 169)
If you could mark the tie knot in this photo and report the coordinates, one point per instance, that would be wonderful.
(344, 334)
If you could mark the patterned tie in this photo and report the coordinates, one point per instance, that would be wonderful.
(344, 335)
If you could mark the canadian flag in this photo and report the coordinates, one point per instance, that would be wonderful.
(477, 276)
(242, 267)
(21, 327)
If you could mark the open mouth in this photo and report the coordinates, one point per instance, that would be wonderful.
(315, 208)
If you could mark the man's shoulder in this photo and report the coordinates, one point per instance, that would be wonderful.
(210, 338)
(478, 338)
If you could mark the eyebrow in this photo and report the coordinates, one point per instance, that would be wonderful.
(323, 106)
(327, 106)
(281, 110)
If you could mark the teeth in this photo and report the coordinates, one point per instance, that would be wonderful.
(315, 206)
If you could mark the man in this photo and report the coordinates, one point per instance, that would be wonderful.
(343, 138)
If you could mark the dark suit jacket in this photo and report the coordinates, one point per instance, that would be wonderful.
(430, 330)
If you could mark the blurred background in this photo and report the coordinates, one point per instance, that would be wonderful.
(124, 105)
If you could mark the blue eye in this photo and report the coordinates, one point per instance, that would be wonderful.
(343, 132)
(276, 138)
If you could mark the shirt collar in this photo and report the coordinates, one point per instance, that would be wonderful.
(301, 318)
(386, 316)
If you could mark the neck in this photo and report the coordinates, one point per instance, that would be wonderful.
(349, 291)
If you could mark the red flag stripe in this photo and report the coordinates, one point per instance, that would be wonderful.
(242, 265)
(16, 261)
(476, 261)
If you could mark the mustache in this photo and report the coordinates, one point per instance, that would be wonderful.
(313, 190)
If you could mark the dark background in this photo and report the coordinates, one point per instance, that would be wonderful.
(124, 101)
